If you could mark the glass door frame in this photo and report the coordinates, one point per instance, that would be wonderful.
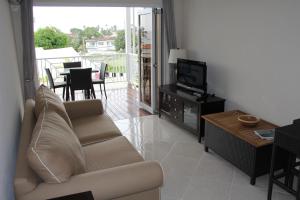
(155, 55)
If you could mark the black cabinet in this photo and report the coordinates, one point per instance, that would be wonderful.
(185, 109)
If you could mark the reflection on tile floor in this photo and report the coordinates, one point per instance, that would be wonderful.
(189, 172)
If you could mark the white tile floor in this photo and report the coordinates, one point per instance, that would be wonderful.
(189, 172)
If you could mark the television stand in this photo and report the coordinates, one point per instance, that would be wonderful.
(185, 109)
(198, 94)
(196, 90)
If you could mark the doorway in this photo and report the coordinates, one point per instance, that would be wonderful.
(131, 79)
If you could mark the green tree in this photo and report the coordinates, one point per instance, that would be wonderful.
(76, 31)
(106, 32)
(76, 39)
(91, 32)
(78, 36)
(50, 38)
(120, 40)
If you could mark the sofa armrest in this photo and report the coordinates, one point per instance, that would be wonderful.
(77, 109)
(106, 184)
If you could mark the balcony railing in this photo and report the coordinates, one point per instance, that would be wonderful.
(122, 67)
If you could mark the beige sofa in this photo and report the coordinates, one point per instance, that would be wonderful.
(114, 169)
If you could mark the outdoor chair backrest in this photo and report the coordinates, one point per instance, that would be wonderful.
(103, 69)
(50, 78)
(72, 64)
(81, 79)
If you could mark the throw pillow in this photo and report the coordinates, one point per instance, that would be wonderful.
(45, 96)
(55, 152)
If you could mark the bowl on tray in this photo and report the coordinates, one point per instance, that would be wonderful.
(248, 120)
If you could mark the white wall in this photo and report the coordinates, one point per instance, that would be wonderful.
(10, 103)
(253, 53)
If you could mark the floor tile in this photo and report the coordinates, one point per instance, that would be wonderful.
(155, 150)
(281, 196)
(175, 186)
(207, 190)
(179, 165)
(247, 193)
(214, 168)
(241, 178)
(193, 150)
(189, 172)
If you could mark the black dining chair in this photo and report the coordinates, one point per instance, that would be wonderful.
(68, 65)
(72, 64)
(54, 85)
(101, 79)
(81, 79)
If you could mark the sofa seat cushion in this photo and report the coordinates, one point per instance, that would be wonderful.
(55, 153)
(109, 154)
(95, 128)
(45, 97)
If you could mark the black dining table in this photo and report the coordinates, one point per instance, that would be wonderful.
(66, 72)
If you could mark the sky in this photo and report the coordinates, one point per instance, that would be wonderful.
(65, 18)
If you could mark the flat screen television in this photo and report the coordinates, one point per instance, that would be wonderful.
(191, 75)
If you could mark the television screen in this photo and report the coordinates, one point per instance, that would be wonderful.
(192, 74)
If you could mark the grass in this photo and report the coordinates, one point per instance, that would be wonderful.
(116, 69)
(116, 62)
(117, 65)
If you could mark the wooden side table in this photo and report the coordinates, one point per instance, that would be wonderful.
(238, 144)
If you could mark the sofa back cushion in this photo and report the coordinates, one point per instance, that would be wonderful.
(44, 96)
(55, 153)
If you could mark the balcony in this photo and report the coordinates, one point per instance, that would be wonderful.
(122, 80)
(122, 77)
(122, 67)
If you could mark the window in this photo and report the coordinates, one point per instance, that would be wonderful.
(90, 44)
(100, 43)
